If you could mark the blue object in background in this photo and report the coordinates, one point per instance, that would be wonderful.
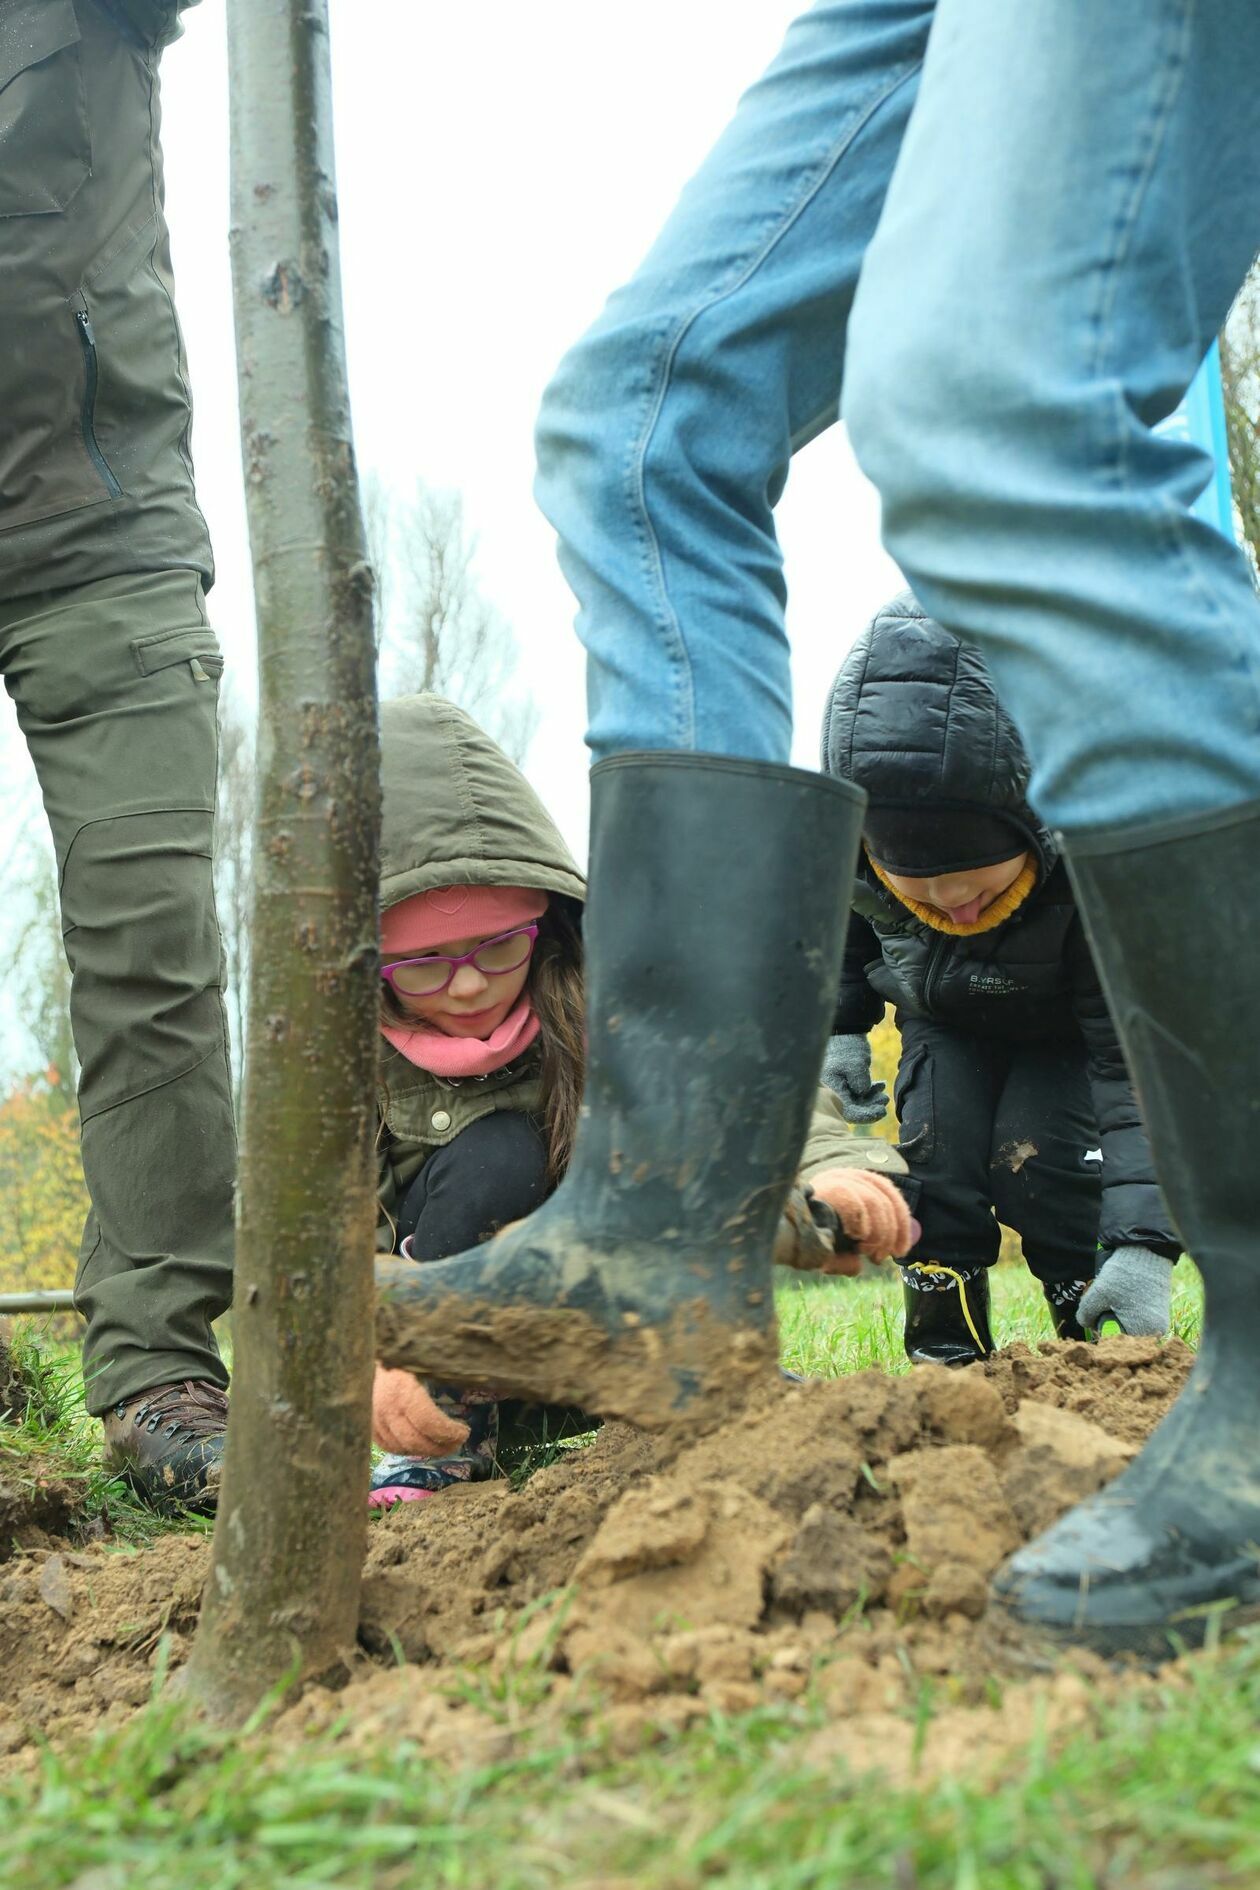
(1201, 419)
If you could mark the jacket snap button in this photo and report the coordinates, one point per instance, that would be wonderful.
(441, 1120)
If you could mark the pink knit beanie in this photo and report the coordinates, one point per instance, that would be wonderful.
(429, 919)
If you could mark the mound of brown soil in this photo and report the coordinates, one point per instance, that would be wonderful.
(839, 1535)
(41, 1497)
(38, 1500)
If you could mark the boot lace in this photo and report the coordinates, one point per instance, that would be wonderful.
(190, 1409)
(936, 1277)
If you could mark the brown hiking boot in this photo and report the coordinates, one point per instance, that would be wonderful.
(168, 1444)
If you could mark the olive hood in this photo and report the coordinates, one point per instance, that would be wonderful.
(457, 812)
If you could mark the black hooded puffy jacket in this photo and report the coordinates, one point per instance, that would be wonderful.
(913, 716)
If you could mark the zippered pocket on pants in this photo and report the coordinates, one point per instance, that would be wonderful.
(87, 414)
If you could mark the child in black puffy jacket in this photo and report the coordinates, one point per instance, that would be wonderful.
(1012, 1095)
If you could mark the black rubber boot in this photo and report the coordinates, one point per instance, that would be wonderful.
(1064, 1297)
(1176, 1538)
(643, 1288)
(947, 1314)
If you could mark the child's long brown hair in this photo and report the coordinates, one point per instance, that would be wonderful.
(557, 991)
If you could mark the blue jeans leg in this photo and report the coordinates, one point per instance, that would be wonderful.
(1076, 202)
(665, 436)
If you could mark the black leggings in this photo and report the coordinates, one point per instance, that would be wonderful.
(495, 1171)
(997, 1131)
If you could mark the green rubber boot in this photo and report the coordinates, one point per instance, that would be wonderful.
(1175, 1540)
(1064, 1297)
(714, 930)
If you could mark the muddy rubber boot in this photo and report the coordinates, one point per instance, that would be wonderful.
(168, 1444)
(714, 930)
(1176, 1538)
(947, 1314)
(1064, 1297)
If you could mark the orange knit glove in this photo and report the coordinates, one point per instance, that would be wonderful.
(870, 1210)
(406, 1420)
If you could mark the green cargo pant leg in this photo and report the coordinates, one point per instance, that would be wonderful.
(116, 690)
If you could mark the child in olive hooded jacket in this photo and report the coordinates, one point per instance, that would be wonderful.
(1012, 1093)
(483, 1050)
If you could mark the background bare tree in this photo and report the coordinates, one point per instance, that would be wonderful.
(233, 860)
(36, 974)
(1240, 375)
(436, 630)
(42, 1197)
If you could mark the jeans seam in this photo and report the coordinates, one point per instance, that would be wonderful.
(1126, 220)
(1173, 519)
(649, 543)
(1122, 235)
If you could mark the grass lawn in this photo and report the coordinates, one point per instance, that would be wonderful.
(1164, 1795)
(829, 1329)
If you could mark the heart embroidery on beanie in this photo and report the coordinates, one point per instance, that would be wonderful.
(447, 899)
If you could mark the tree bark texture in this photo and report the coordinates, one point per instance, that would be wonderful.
(282, 1599)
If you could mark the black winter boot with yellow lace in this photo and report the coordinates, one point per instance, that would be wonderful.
(947, 1313)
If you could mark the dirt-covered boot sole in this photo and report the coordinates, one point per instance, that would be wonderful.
(1164, 1558)
(686, 1336)
(189, 1480)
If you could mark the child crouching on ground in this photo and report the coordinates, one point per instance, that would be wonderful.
(1012, 1094)
(482, 1060)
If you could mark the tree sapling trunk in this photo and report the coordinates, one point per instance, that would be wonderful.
(282, 1598)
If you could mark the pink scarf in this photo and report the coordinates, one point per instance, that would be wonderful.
(433, 1050)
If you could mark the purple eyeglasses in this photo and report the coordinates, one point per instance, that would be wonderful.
(425, 977)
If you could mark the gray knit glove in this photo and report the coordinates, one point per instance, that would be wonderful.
(847, 1071)
(1135, 1286)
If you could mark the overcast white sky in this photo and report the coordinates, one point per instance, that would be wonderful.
(501, 168)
